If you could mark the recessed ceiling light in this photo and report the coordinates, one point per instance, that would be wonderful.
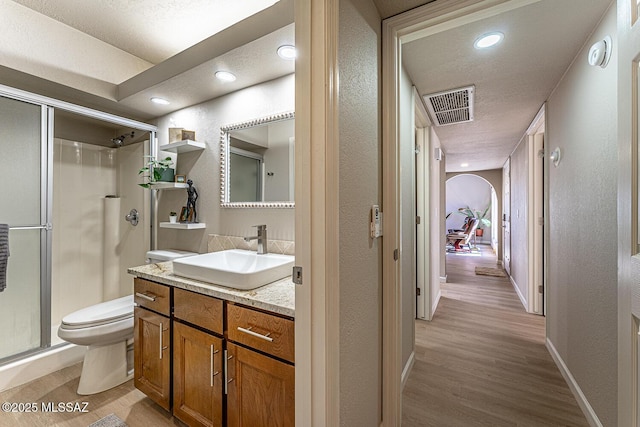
(225, 76)
(464, 165)
(287, 52)
(161, 101)
(488, 40)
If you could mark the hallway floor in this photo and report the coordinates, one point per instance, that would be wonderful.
(482, 360)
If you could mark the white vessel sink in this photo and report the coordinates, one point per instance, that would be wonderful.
(235, 268)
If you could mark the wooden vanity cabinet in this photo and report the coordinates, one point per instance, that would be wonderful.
(198, 376)
(152, 339)
(213, 363)
(260, 388)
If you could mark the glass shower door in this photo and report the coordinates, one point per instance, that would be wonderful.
(23, 166)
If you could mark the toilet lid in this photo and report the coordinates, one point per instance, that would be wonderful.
(99, 314)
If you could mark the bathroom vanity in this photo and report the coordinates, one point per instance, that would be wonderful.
(211, 355)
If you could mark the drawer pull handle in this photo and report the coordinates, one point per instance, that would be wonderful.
(248, 330)
(151, 298)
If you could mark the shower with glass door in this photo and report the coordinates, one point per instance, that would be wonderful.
(67, 187)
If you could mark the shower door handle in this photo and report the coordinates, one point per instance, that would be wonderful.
(132, 217)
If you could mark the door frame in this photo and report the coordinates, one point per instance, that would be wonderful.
(535, 204)
(423, 191)
(420, 22)
(317, 380)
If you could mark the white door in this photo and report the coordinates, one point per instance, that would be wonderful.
(506, 215)
(628, 51)
(538, 224)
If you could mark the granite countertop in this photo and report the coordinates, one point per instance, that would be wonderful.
(277, 297)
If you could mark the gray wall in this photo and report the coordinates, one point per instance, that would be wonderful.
(203, 167)
(582, 279)
(518, 268)
(360, 177)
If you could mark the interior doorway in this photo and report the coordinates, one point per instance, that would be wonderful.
(470, 194)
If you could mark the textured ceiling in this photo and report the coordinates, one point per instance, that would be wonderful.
(163, 48)
(152, 30)
(512, 79)
(114, 55)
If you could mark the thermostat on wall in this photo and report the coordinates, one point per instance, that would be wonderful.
(376, 222)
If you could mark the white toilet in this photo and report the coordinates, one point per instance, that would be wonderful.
(105, 328)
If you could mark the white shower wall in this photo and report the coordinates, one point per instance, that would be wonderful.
(83, 175)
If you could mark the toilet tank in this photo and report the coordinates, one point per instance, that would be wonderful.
(161, 255)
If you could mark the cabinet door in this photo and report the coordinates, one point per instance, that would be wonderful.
(152, 373)
(197, 376)
(260, 390)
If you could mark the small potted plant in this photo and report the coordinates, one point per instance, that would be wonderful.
(481, 216)
(173, 217)
(157, 170)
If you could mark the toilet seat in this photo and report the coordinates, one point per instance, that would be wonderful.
(100, 314)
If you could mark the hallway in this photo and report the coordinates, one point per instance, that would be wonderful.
(482, 359)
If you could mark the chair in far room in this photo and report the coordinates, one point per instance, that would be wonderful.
(459, 241)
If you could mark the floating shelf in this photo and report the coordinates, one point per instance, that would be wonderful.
(159, 185)
(183, 226)
(183, 146)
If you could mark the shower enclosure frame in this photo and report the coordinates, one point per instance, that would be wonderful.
(48, 106)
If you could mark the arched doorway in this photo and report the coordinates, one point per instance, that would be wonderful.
(478, 191)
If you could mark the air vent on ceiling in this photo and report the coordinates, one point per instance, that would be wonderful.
(452, 106)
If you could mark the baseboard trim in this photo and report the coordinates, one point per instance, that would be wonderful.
(523, 300)
(587, 410)
(443, 279)
(407, 369)
(434, 307)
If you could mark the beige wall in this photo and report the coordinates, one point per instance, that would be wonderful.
(359, 182)
(203, 167)
(582, 277)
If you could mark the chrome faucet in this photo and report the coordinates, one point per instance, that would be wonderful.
(261, 237)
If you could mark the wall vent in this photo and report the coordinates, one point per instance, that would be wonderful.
(452, 106)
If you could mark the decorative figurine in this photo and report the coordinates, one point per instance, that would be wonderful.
(192, 196)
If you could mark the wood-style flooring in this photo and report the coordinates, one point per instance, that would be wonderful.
(125, 401)
(482, 360)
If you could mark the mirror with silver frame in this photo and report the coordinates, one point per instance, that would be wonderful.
(257, 163)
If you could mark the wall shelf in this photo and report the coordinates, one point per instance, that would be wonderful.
(183, 226)
(159, 185)
(184, 146)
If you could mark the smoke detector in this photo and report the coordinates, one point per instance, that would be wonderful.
(452, 106)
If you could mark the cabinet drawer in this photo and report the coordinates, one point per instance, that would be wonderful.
(151, 295)
(262, 331)
(198, 309)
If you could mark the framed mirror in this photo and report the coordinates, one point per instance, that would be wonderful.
(257, 163)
